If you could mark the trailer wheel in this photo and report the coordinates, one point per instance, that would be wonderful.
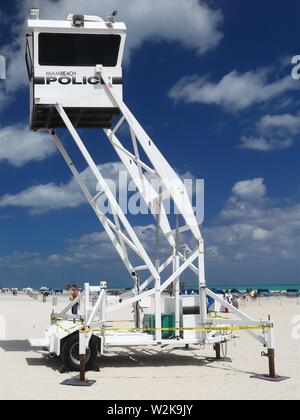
(70, 353)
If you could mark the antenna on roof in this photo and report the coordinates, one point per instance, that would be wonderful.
(35, 12)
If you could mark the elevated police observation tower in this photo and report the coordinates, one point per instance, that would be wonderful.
(75, 72)
(61, 59)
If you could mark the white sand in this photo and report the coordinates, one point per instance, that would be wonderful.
(146, 373)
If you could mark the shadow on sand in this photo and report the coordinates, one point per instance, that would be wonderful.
(15, 345)
(53, 363)
(134, 359)
(122, 358)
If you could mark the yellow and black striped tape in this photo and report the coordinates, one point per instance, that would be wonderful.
(199, 328)
(207, 329)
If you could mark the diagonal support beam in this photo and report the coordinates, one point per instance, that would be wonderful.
(106, 223)
(145, 188)
(161, 269)
(111, 199)
(168, 176)
(127, 302)
(111, 136)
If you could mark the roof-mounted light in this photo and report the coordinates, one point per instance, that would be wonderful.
(111, 17)
(78, 21)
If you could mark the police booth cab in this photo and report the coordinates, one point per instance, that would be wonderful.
(62, 59)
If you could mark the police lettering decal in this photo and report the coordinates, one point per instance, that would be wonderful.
(66, 78)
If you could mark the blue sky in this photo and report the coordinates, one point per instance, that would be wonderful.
(211, 83)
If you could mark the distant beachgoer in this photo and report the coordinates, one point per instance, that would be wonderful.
(74, 295)
(235, 302)
(228, 296)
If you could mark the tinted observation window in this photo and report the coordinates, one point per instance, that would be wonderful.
(78, 49)
(28, 60)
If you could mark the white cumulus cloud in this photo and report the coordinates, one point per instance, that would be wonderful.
(287, 122)
(46, 197)
(234, 92)
(251, 228)
(264, 144)
(251, 189)
(19, 145)
(273, 132)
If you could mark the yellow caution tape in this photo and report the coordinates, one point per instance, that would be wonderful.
(200, 328)
(54, 319)
(65, 329)
(217, 317)
(121, 320)
(212, 328)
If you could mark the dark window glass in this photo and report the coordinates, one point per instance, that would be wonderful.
(78, 49)
(28, 60)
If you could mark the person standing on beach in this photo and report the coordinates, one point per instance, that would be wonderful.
(74, 295)
(235, 302)
(228, 298)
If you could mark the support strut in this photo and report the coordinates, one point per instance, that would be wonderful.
(82, 368)
(217, 348)
(271, 357)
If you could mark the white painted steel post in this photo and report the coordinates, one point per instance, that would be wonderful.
(177, 282)
(82, 337)
(93, 313)
(158, 332)
(136, 305)
(86, 301)
(202, 287)
(103, 308)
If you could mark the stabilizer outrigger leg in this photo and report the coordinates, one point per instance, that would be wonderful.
(270, 354)
(217, 348)
(81, 380)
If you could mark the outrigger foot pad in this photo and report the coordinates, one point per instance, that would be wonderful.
(270, 378)
(77, 382)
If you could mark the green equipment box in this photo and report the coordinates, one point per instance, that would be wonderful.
(167, 321)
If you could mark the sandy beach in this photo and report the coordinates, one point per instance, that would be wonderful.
(146, 373)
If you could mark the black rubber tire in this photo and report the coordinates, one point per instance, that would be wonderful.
(71, 348)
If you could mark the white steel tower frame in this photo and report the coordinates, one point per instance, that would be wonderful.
(122, 233)
(126, 241)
